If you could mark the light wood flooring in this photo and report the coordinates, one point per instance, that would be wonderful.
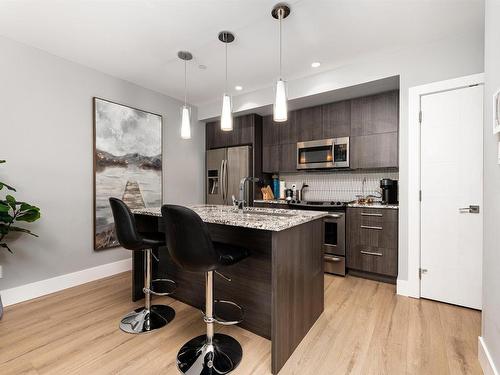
(365, 329)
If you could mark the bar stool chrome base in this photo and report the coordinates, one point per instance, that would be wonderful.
(198, 357)
(141, 320)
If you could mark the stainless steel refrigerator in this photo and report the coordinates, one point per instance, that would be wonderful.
(224, 171)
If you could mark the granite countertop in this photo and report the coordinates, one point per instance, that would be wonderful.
(272, 219)
(374, 205)
(270, 201)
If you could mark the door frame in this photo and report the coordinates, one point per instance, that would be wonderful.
(411, 287)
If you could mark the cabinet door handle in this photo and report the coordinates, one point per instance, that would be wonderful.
(370, 214)
(371, 253)
(370, 227)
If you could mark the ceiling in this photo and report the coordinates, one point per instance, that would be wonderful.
(138, 40)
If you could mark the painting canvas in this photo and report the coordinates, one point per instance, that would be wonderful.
(127, 163)
(496, 112)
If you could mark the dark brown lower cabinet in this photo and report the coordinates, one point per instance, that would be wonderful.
(372, 242)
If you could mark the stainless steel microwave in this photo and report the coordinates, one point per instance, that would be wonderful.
(323, 154)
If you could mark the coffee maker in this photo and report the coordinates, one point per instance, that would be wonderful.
(389, 191)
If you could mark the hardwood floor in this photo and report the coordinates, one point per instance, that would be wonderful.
(365, 329)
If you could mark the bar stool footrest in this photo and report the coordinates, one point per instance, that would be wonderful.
(163, 287)
(227, 313)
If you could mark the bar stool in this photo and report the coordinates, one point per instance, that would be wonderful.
(149, 317)
(192, 249)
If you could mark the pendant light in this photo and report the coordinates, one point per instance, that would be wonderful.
(226, 118)
(185, 109)
(280, 110)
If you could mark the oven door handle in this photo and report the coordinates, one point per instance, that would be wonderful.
(333, 259)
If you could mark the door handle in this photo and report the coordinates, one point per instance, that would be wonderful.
(371, 253)
(472, 209)
(370, 227)
(222, 178)
(367, 214)
(225, 180)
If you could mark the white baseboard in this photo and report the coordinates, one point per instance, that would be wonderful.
(406, 288)
(485, 359)
(402, 287)
(41, 288)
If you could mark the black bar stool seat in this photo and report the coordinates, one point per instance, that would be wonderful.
(230, 254)
(191, 248)
(149, 317)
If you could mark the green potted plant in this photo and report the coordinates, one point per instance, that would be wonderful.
(12, 212)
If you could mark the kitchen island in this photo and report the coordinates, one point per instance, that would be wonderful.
(279, 286)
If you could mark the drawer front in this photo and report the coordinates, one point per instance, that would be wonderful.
(372, 233)
(335, 264)
(374, 259)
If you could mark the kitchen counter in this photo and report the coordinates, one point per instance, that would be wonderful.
(374, 205)
(271, 219)
(285, 265)
(270, 201)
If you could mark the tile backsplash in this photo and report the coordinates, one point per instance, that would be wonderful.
(343, 186)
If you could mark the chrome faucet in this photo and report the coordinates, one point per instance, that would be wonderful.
(241, 202)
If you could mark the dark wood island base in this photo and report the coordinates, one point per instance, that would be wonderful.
(279, 286)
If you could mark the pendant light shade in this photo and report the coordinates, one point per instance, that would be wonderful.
(280, 112)
(185, 122)
(280, 109)
(185, 109)
(226, 118)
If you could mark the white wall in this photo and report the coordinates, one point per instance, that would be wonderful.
(491, 253)
(441, 60)
(46, 137)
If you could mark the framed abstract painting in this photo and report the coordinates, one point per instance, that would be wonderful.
(127, 163)
(496, 112)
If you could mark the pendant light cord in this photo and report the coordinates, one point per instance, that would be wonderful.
(185, 83)
(280, 17)
(225, 42)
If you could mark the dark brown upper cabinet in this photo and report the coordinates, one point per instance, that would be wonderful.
(374, 151)
(270, 131)
(288, 158)
(375, 114)
(288, 129)
(309, 124)
(271, 158)
(336, 119)
(243, 133)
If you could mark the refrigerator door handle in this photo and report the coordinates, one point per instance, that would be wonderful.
(225, 182)
(222, 178)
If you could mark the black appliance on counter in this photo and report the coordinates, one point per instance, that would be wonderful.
(334, 243)
(389, 191)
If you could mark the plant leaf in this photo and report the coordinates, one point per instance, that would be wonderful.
(29, 216)
(11, 201)
(23, 230)
(4, 245)
(5, 218)
(4, 207)
(2, 184)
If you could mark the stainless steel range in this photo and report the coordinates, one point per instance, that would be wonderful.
(334, 243)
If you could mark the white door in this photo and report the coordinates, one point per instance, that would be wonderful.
(452, 184)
